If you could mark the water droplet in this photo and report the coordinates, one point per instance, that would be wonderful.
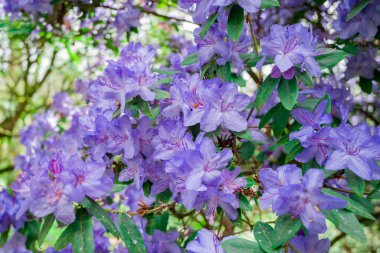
(134, 242)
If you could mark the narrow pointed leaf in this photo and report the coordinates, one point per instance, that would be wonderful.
(101, 215)
(288, 92)
(130, 234)
(235, 22)
(48, 222)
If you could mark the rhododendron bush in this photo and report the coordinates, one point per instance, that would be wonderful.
(258, 133)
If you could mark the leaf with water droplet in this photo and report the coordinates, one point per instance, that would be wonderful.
(263, 235)
(285, 228)
(130, 234)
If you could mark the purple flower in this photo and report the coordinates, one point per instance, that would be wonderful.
(364, 64)
(206, 164)
(316, 145)
(309, 244)
(127, 19)
(206, 242)
(9, 206)
(120, 137)
(63, 103)
(214, 198)
(274, 180)
(85, 178)
(48, 197)
(35, 7)
(289, 193)
(15, 245)
(165, 242)
(306, 201)
(356, 149)
(231, 183)
(313, 119)
(251, 6)
(134, 170)
(97, 139)
(225, 110)
(206, 8)
(289, 47)
(365, 22)
(172, 137)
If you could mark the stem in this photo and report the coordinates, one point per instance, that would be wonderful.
(293, 248)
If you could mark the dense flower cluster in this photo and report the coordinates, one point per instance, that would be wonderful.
(187, 139)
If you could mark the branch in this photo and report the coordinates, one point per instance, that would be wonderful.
(143, 210)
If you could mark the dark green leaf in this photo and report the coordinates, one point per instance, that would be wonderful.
(285, 228)
(280, 120)
(246, 150)
(130, 234)
(293, 153)
(269, 3)
(355, 183)
(347, 223)
(101, 215)
(238, 245)
(224, 72)
(305, 78)
(235, 22)
(269, 115)
(366, 85)
(159, 222)
(288, 92)
(358, 8)
(210, 21)
(83, 237)
(244, 203)
(330, 59)
(190, 59)
(65, 238)
(48, 222)
(263, 235)
(352, 205)
(246, 135)
(265, 90)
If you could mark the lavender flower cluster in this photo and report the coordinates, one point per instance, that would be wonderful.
(181, 130)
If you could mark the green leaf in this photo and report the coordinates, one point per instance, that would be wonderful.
(159, 222)
(119, 187)
(235, 22)
(161, 94)
(355, 183)
(366, 85)
(65, 238)
(246, 150)
(269, 115)
(101, 215)
(190, 59)
(288, 92)
(164, 80)
(210, 21)
(330, 59)
(48, 222)
(224, 72)
(238, 80)
(246, 135)
(347, 223)
(265, 90)
(166, 71)
(244, 203)
(80, 234)
(263, 235)
(269, 3)
(304, 78)
(280, 120)
(144, 107)
(130, 234)
(352, 205)
(83, 238)
(284, 229)
(358, 8)
(293, 153)
(239, 245)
